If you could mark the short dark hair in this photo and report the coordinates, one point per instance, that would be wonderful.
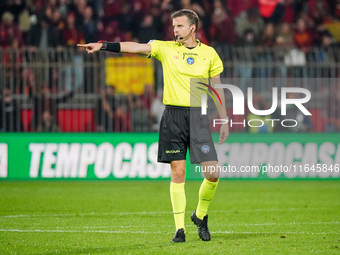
(191, 15)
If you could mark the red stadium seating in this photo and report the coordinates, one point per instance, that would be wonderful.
(69, 120)
(26, 118)
(76, 120)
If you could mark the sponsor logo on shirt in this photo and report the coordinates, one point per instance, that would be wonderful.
(189, 54)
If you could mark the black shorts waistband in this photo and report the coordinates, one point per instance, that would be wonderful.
(175, 107)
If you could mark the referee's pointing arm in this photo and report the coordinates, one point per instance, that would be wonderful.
(125, 47)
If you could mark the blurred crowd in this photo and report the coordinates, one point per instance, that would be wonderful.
(110, 113)
(59, 23)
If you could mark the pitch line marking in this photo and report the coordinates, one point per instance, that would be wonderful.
(269, 224)
(153, 232)
(80, 214)
(290, 223)
(156, 212)
(232, 224)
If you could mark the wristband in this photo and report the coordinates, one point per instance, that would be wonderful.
(110, 46)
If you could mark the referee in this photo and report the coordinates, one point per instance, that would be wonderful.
(182, 126)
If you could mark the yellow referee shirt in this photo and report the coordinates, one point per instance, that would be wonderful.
(180, 64)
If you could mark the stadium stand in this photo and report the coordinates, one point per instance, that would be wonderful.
(43, 70)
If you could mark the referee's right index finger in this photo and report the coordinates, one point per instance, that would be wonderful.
(82, 45)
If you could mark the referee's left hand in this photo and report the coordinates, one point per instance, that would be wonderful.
(91, 47)
(224, 133)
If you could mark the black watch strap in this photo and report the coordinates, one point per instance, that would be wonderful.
(104, 45)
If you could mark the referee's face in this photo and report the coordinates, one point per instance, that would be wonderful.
(181, 26)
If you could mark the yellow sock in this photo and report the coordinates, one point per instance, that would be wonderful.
(178, 202)
(206, 194)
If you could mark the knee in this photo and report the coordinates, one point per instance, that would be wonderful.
(178, 172)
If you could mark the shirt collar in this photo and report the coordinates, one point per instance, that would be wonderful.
(198, 41)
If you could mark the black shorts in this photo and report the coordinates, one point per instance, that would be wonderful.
(182, 128)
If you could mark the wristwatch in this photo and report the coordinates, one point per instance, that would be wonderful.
(104, 45)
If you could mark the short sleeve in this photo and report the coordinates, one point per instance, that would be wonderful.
(155, 50)
(216, 65)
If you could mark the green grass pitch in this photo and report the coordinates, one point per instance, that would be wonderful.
(134, 217)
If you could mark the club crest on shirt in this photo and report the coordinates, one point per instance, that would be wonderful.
(205, 149)
(190, 61)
